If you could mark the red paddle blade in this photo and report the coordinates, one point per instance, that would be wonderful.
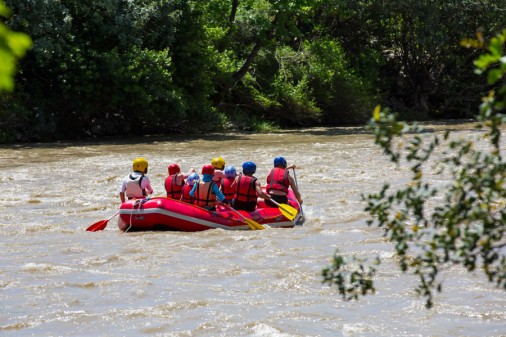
(98, 226)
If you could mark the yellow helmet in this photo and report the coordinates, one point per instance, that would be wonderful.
(140, 164)
(218, 163)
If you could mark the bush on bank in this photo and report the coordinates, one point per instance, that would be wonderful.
(122, 67)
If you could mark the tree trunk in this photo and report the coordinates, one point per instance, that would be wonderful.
(239, 74)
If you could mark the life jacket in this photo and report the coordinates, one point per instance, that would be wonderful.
(185, 195)
(133, 187)
(245, 189)
(278, 180)
(204, 196)
(173, 189)
(228, 192)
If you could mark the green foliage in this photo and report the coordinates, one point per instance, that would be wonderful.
(359, 281)
(342, 92)
(13, 46)
(424, 73)
(119, 67)
(431, 226)
(244, 122)
(288, 79)
(110, 67)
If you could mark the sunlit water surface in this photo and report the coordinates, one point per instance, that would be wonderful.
(56, 279)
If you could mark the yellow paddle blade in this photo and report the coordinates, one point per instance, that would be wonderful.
(253, 224)
(288, 211)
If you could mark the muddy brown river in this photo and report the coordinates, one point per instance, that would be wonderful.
(56, 279)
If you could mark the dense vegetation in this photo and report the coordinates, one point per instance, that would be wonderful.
(119, 67)
(431, 226)
(13, 45)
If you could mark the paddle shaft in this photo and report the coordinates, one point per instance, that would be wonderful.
(100, 225)
(297, 185)
(251, 223)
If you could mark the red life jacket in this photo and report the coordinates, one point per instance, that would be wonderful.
(245, 189)
(173, 189)
(278, 180)
(228, 192)
(185, 195)
(204, 196)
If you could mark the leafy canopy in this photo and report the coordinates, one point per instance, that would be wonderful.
(13, 46)
(430, 226)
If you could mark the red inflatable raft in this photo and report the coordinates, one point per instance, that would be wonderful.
(162, 214)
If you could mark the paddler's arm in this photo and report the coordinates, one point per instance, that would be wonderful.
(234, 183)
(219, 195)
(192, 192)
(185, 175)
(295, 189)
(122, 191)
(146, 185)
(261, 193)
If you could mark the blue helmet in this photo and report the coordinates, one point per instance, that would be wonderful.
(192, 178)
(249, 167)
(279, 161)
(230, 172)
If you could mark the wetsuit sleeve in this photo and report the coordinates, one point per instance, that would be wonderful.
(192, 192)
(219, 195)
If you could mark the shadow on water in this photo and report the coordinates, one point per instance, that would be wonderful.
(148, 139)
(428, 127)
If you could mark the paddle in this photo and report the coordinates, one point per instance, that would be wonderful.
(253, 225)
(295, 179)
(300, 206)
(288, 211)
(100, 225)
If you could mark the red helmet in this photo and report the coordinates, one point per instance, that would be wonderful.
(174, 168)
(208, 169)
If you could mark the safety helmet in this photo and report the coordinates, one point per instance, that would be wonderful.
(279, 161)
(218, 163)
(192, 178)
(140, 164)
(174, 168)
(230, 172)
(249, 167)
(208, 169)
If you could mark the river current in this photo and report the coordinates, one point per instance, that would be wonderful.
(57, 279)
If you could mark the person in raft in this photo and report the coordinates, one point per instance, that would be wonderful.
(218, 165)
(136, 185)
(226, 184)
(188, 186)
(206, 190)
(278, 182)
(248, 189)
(175, 181)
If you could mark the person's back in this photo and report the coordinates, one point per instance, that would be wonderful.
(219, 166)
(278, 182)
(174, 182)
(206, 191)
(172, 188)
(188, 186)
(247, 189)
(136, 185)
(227, 182)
